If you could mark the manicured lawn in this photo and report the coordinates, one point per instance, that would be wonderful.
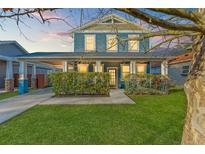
(152, 120)
(8, 94)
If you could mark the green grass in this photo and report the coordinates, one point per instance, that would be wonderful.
(152, 120)
(8, 94)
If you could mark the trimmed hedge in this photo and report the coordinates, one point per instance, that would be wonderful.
(146, 84)
(75, 83)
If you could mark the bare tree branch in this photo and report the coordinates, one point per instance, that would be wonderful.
(162, 23)
(182, 13)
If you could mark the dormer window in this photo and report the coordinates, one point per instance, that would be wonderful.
(90, 43)
(133, 45)
(112, 43)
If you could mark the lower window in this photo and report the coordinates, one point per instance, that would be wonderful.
(83, 68)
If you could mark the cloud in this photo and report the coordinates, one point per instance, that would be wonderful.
(62, 36)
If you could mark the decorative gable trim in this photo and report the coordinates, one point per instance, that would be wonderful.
(102, 20)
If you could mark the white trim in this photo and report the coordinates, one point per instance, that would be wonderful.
(65, 66)
(22, 70)
(111, 16)
(116, 68)
(133, 67)
(85, 43)
(164, 67)
(34, 71)
(7, 58)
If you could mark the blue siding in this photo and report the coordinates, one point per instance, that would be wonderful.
(144, 45)
(78, 42)
(123, 46)
(148, 68)
(101, 42)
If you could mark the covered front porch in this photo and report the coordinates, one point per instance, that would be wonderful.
(117, 65)
(118, 70)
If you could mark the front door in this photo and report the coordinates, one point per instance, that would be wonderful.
(113, 77)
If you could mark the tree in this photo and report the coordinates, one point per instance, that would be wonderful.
(194, 128)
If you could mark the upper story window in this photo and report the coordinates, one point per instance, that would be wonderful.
(90, 43)
(112, 43)
(133, 45)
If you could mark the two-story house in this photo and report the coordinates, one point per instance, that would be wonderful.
(106, 45)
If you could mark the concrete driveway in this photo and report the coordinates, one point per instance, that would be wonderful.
(15, 105)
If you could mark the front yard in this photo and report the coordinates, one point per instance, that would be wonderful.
(8, 95)
(152, 120)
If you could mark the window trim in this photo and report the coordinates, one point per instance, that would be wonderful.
(108, 50)
(138, 43)
(85, 42)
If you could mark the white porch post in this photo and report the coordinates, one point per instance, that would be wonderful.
(9, 82)
(164, 67)
(132, 67)
(98, 63)
(23, 81)
(65, 66)
(33, 76)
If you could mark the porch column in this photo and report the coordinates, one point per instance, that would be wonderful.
(23, 81)
(164, 67)
(132, 67)
(65, 66)
(150, 67)
(98, 63)
(33, 78)
(9, 81)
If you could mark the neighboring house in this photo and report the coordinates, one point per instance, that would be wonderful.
(179, 68)
(9, 66)
(106, 45)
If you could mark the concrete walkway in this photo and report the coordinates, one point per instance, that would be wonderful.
(117, 96)
(15, 105)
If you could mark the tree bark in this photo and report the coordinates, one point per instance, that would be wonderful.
(194, 128)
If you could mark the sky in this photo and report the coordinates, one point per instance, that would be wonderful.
(53, 36)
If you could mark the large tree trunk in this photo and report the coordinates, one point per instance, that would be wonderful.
(194, 128)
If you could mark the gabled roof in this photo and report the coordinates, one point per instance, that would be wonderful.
(12, 42)
(103, 21)
(182, 58)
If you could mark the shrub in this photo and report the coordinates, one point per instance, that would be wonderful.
(75, 83)
(146, 84)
